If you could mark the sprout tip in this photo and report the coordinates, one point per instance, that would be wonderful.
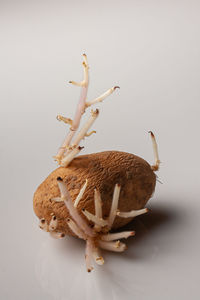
(80, 148)
(151, 133)
(59, 179)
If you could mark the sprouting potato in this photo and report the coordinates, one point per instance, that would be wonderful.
(102, 171)
(91, 195)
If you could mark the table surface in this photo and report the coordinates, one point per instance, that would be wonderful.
(151, 50)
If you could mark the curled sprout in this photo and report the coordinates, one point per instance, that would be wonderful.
(70, 146)
(98, 237)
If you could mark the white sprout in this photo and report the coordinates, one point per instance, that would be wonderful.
(88, 254)
(98, 203)
(80, 195)
(83, 132)
(53, 223)
(98, 207)
(132, 213)
(101, 222)
(51, 227)
(72, 210)
(112, 246)
(79, 111)
(102, 97)
(68, 158)
(43, 224)
(67, 145)
(57, 235)
(155, 167)
(114, 206)
(97, 256)
(117, 236)
(76, 230)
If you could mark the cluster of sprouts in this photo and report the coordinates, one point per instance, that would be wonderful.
(96, 237)
(51, 227)
(70, 146)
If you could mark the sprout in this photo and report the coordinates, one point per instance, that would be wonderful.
(98, 207)
(72, 210)
(94, 219)
(116, 236)
(113, 246)
(69, 148)
(76, 230)
(43, 224)
(68, 158)
(57, 235)
(132, 213)
(88, 255)
(51, 227)
(97, 256)
(80, 195)
(155, 167)
(98, 236)
(53, 223)
(114, 205)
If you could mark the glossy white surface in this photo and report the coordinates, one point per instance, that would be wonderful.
(151, 49)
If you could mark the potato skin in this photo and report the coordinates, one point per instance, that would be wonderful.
(102, 170)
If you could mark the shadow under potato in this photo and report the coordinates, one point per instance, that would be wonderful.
(147, 224)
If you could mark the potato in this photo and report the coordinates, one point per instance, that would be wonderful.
(91, 195)
(102, 170)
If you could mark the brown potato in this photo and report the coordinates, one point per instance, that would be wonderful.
(102, 170)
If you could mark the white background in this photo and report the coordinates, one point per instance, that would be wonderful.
(151, 50)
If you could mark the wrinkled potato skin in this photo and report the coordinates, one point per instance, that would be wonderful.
(102, 170)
